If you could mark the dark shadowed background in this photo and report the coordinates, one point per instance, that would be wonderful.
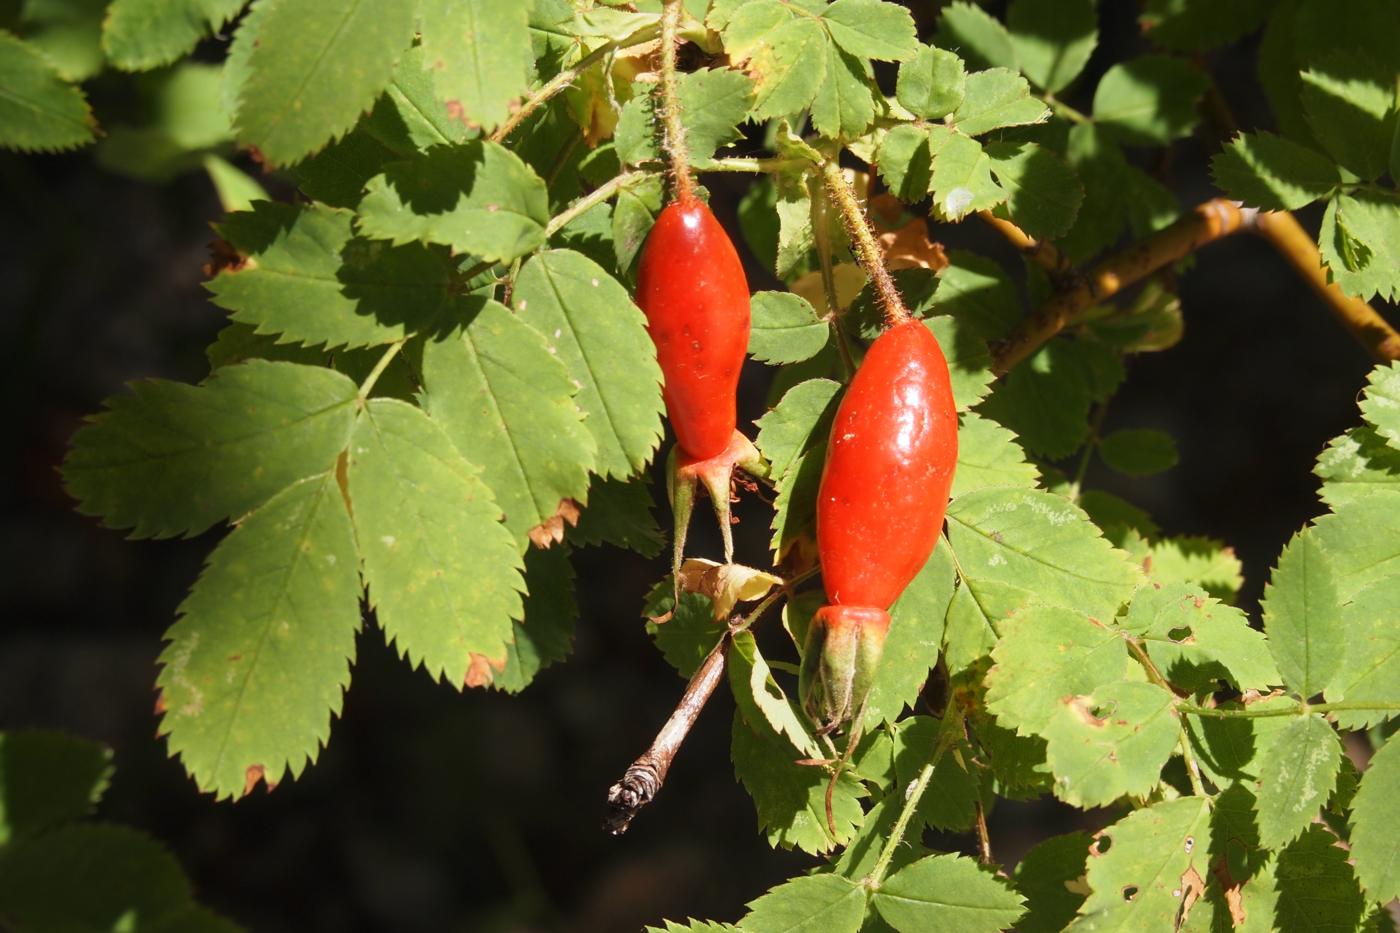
(438, 810)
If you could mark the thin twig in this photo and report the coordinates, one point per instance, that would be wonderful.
(669, 104)
(599, 194)
(1041, 252)
(1193, 770)
(1302, 709)
(1360, 319)
(863, 243)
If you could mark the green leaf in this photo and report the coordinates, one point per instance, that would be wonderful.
(1043, 193)
(995, 98)
(227, 446)
(988, 455)
(931, 83)
(237, 189)
(1358, 245)
(618, 513)
(39, 112)
(1015, 545)
(871, 29)
(1349, 102)
(1196, 25)
(477, 198)
(1045, 655)
(695, 926)
(962, 182)
(947, 892)
(589, 322)
(1273, 173)
(791, 799)
(1137, 864)
(785, 328)
(951, 798)
(1053, 39)
(634, 213)
(798, 423)
(1149, 101)
(1047, 877)
(1297, 772)
(1381, 404)
(1046, 399)
(507, 403)
(979, 288)
(763, 704)
(714, 101)
(1183, 629)
(139, 35)
(687, 632)
(1314, 888)
(315, 68)
(1369, 671)
(88, 877)
(68, 33)
(844, 103)
(48, 779)
(480, 55)
(259, 659)
(546, 634)
(1202, 562)
(411, 115)
(975, 35)
(914, 640)
(1302, 616)
(789, 68)
(307, 278)
(337, 175)
(444, 581)
(795, 508)
(1356, 464)
(1375, 812)
(1229, 750)
(1111, 743)
(1139, 451)
(808, 904)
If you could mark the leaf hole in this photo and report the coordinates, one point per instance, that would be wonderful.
(1180, 633)
(1129, 892)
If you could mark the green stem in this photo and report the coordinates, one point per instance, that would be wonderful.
(1302, 709)
(772, 165)
(670, 105)
(952, 725)
(567, 77)
(1193, 770)
(388, 357)
(1063, 109)
(863, 243)
(598, 195)
(1082, 469)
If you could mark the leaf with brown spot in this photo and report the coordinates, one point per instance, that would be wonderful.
(551, 530)
(909, 247)
(482, 670)
(251, 776)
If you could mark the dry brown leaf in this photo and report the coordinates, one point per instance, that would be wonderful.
(482, 670)
(726, 584)
(910, 248)
(551, 530)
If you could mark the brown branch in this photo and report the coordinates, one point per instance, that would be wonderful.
(863, 243)
(1041, 252)
(644, 777)
(1361, 320)
(1207, 223)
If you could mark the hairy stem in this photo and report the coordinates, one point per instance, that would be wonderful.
(863, 243)
(821, 234)
(567, 77)
(669, 104)
(1302, 709)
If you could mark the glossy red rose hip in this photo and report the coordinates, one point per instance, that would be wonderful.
(691, 286)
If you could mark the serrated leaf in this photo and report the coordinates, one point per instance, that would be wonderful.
(1375, 811)
(1136, 866)
(947, 892)
(1381, 404)
(995, 98)
(915, 637)
(975, 35)
(808, 904)
(1053, 39)
(337, 175)
(1185, 629)
(689, 630)
(789, 68)
(257, 663)
(1355, 246)
(411, 115)
(91, 877)
(714, 101)
(68, 33)
(785, 328)
(1046, 400)
(790, 798)
(988, 455)
(1313, 886)
(478, 198)
(307, 278)
(315, 68)
(961, 182)
(1370, 664)
(1302, 616)
(799, 422)
(694, 926)
(227, 445)
(1229, 749)
(546, 634)
(950, 800)
(1273, 173)
(1356, 464)
(1348, 100)
(1196, 25)
(1047, 877)
(931, 83)
(1202, 562)
(1015, 545)
(761, 702)
(48, 779)
(871, 28)
(844, 103)
(618, 513)
(1043, 193)
(442, 571)
(1139, 451)
(480, 55)
(39, 111)
(634, 214)
(1297, 772)
(795, 506)
(1045, 655)
(1149, 101)
(961, 337)
(507, 403)
(139, 35)
(590, 323)
(1111, 743)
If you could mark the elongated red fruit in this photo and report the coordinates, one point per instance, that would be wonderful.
(691, 286)
(880, 507)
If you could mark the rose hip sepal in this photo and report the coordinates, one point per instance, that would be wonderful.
(692, 289)
(880, 507)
